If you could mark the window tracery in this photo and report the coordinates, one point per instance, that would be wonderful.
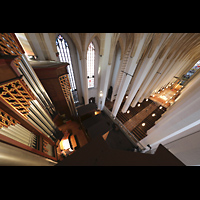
(64, 55)
(90, 64)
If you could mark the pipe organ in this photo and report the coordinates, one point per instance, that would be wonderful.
(26, 110)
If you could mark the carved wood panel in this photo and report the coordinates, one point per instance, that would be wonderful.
(65, 85)
(6, 120)
(17, 94)
(9, 46)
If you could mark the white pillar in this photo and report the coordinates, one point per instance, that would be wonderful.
(84, 77)
(117, 80)
(104, 71)
(158, 77)
(130, 69)
(180, 120)
(150, 77)
(137, 82)
(143, 71)
(122, 89)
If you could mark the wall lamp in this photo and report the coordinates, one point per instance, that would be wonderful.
(101, 94)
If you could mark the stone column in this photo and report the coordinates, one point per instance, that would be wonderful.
(180, 120)
(84, 77)
(105, 69)
(130, 69)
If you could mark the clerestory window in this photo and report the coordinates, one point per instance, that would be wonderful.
(90, 65)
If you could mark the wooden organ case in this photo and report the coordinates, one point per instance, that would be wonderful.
(24, 118)
(54, 77)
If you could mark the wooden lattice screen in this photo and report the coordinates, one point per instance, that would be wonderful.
(9, 45)
(6, 120)
(17, 95)
(65, 85)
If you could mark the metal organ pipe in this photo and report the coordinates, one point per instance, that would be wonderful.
(36, 122)
(37, 114)
(30, 69)
(42, 119)
(31, 81)
(37, 126)
(13, 132)
(5, 131)
(25, 133)
(32, 115)
(20, 132)
(44, 114)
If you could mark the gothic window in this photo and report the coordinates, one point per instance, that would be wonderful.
(186, 76)
(90, 65)
(64, 56)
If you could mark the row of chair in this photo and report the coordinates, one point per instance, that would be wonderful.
(140, 131)
(123, 117)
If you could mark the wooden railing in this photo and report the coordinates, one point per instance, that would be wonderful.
(126, 132)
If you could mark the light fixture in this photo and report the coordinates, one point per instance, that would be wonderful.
(64, 144)
(127, 97)
(160, 107)
(143, 124)
(128, 111)
(163, 97)
(138, 105)
(147, 99)
(97, 112)
(153, 115)
(153, 95)
(101, 94)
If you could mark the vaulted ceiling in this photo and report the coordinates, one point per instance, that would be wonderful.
(187, 44)
(152, 59)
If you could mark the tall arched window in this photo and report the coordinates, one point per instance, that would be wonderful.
(64, 56)
(90, 65)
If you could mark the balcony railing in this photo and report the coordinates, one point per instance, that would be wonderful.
(126, 132)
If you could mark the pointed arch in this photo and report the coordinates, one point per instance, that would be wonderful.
(64, 56)
(90, 64)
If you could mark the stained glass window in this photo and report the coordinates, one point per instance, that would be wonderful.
(64, 56)
(186, 76)
(90, 65)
